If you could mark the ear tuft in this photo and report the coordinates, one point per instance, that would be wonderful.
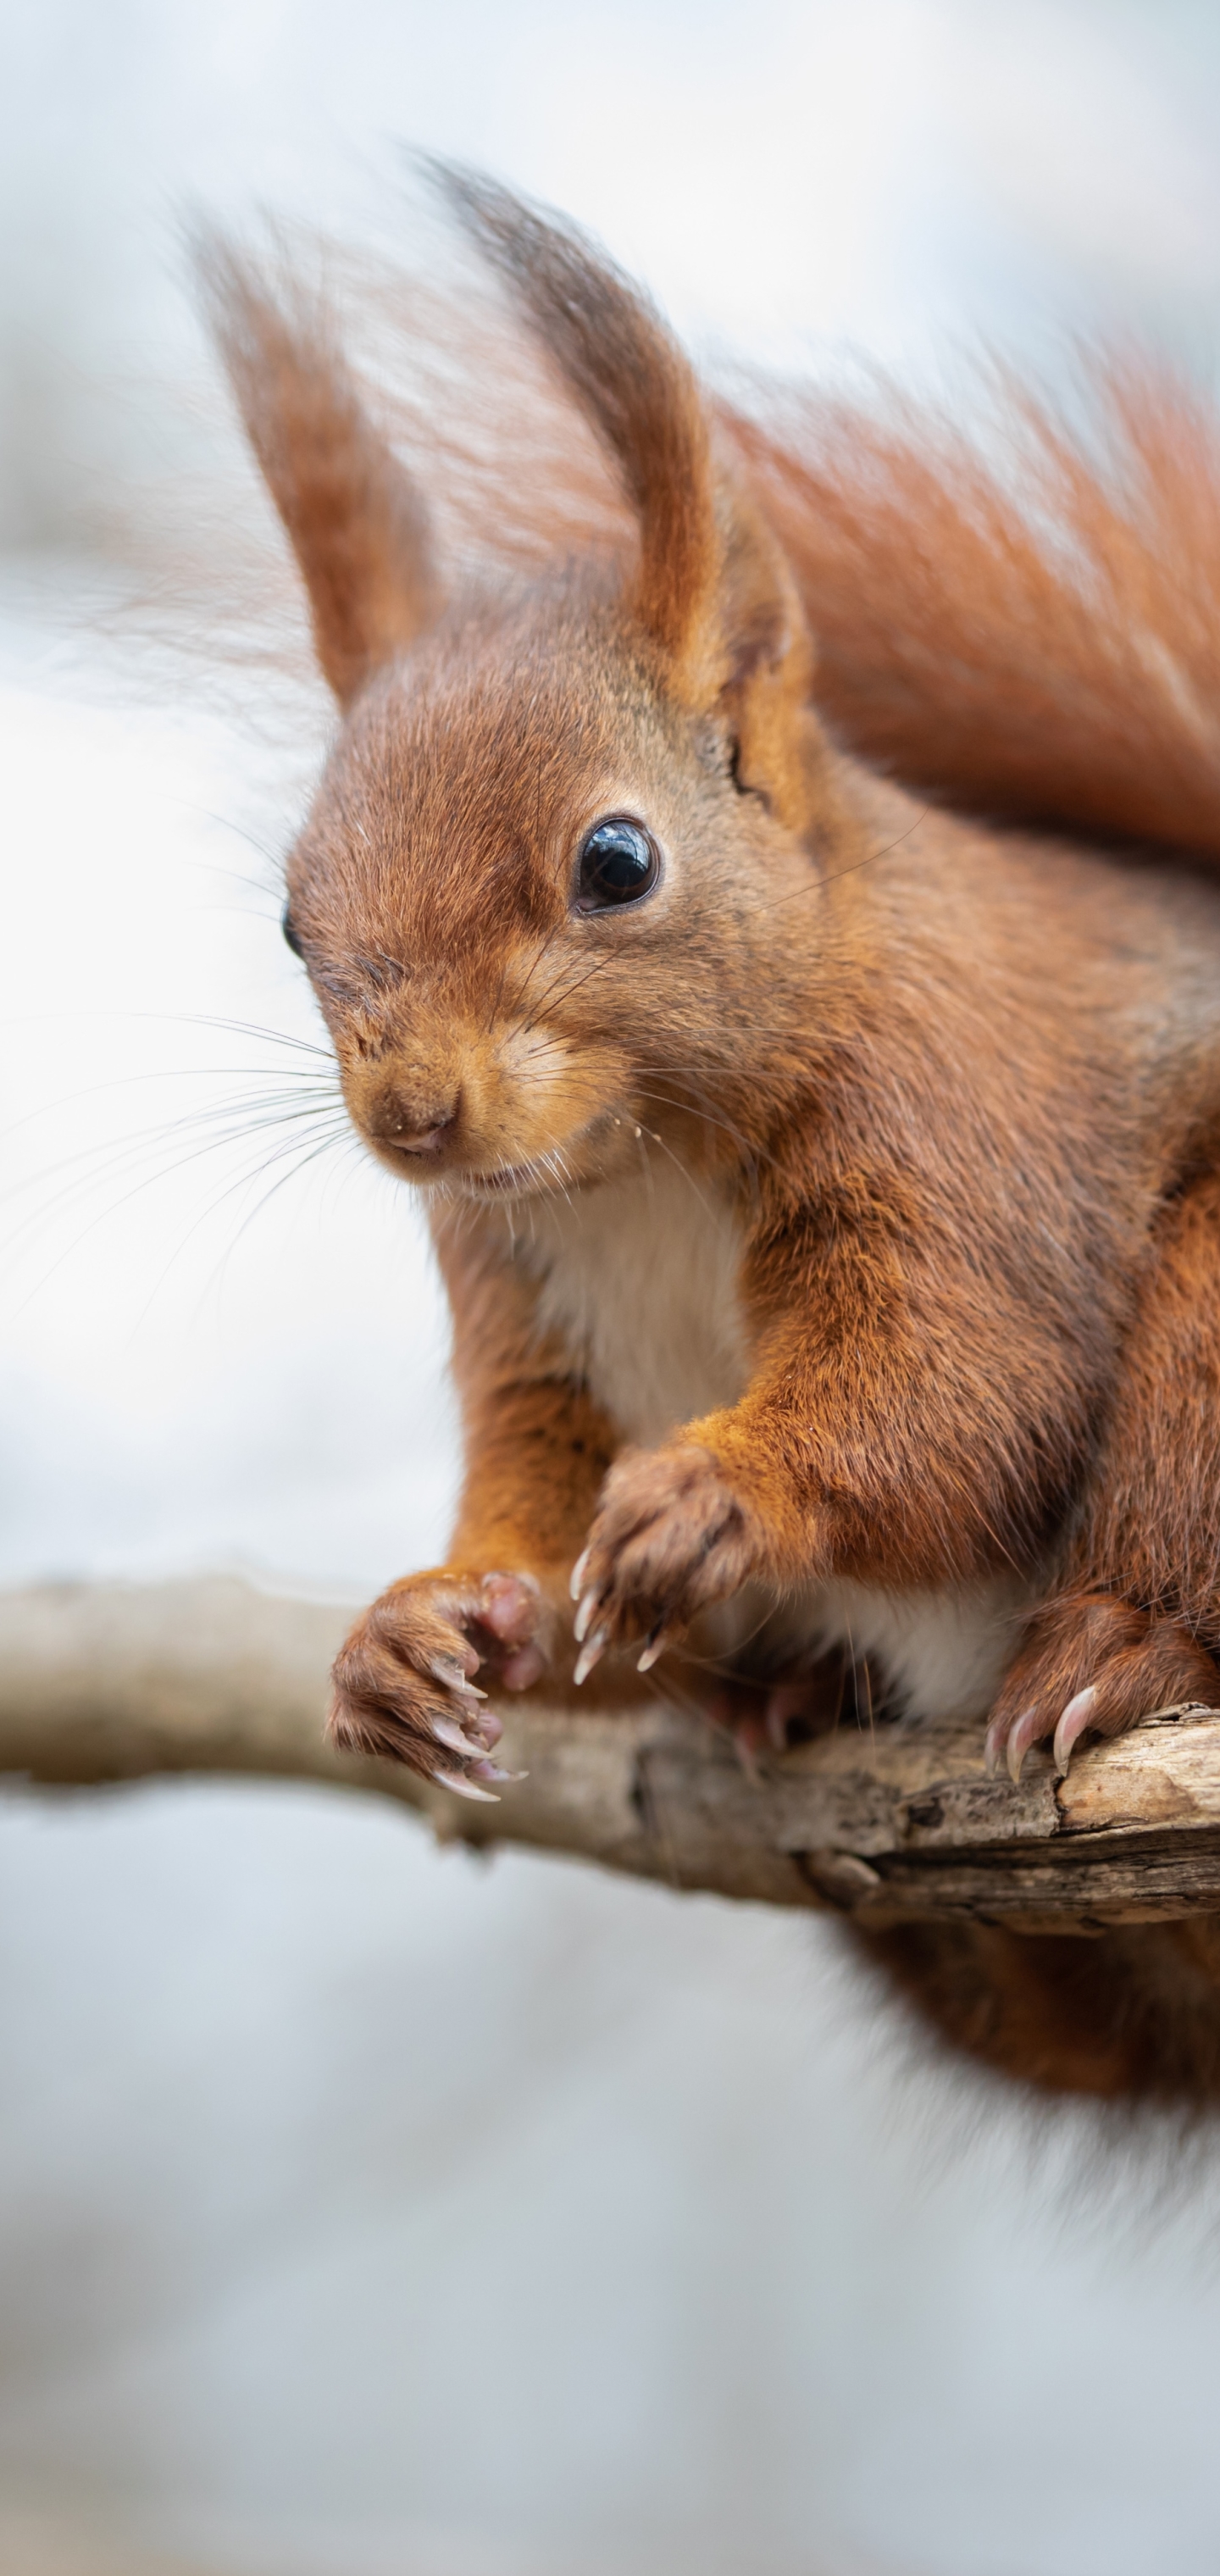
(356, 526)
(713, 589)
(634, 383)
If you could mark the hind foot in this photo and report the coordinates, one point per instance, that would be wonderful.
(1093, 1664)
(766, 1715)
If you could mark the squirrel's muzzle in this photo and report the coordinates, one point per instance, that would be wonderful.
(425, 1141)
(422, 1128)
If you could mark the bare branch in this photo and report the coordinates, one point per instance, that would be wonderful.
(112, 1683)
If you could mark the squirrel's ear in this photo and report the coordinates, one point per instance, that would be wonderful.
(712, 589)
(356, 526)
(766, 661)
(635, 385)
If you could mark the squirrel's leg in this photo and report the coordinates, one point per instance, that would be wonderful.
(537, 1449)
(901, 1430)
(1133, 1624)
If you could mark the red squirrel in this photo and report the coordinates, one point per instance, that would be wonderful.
(781, 952)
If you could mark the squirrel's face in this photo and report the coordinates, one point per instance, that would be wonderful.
(561, 885)
(542, 914)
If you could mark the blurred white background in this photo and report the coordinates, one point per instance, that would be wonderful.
(366, 2211)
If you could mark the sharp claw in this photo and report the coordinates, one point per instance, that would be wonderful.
(993, 1747)
(453, 1663)
(448, 1733)
(465, 1788)
(445, 1668)
(579, 1571)
(653, 1650)
(580, 1624)
(1020, 1738)
(785, 1700)
(589, 1655)
(492, 1771)
(1072, 1725)
(747, 1746)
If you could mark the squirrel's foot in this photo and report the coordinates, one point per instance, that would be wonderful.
(1093, 1664)
(765, 1718)
(669, 1538)
(404, 1682)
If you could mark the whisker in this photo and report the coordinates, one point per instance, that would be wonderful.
(241, 832)
(305, 1154)
(544, 951)
(169, 1149)
(230, 1122)
(869, 860)
(556, 993)
(679, 1166)
(180, 1073)
(752, 1152)
(186, 1020)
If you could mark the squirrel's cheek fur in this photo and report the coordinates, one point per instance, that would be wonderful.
(832, 1232)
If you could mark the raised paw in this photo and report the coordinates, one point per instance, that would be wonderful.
(669, 1538)
(404, 1682)
(1093, 1664)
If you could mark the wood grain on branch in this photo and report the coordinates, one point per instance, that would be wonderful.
(116, 1683)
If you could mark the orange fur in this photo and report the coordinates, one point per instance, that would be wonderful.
(831, 1234)
(1031, 632)
(352, 513)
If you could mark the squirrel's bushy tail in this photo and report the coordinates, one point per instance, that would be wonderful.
(1027, 624)
(1130, 2015)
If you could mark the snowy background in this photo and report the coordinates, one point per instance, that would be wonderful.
(366, 2211)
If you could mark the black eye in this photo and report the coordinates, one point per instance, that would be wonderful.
(286, 925)
(618, 863)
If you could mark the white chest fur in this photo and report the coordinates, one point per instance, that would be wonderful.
(641, 1282)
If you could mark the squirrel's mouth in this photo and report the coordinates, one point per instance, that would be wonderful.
(544, 1173)
(514, 1180)
(577, 1162)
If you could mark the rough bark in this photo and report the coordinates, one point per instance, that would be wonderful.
(102, 1683)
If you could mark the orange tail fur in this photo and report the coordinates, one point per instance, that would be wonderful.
(1035, 635)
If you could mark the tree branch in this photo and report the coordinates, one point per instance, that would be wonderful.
(116, 1683)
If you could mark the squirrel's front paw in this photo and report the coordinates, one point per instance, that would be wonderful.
(1094, 1664)
(669, 1538)
(404, 1682)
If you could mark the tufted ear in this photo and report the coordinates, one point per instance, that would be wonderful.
(712, 590)
(356, 525)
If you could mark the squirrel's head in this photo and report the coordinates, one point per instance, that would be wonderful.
(558, 874)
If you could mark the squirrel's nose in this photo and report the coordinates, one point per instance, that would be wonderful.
(415, 1130)
(422, 1140)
